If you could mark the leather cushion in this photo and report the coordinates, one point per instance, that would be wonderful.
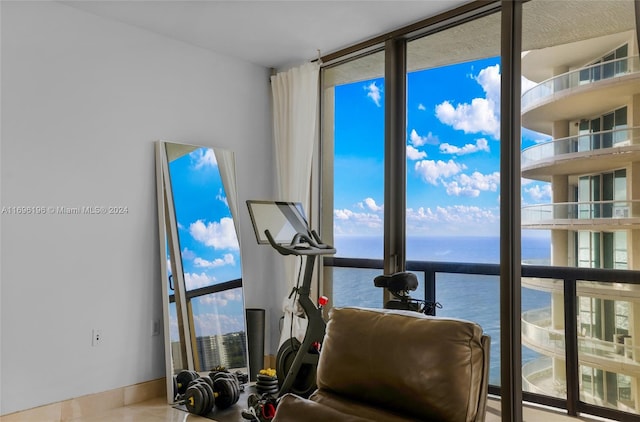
(367, 410)
(426, 367)
(292, 408)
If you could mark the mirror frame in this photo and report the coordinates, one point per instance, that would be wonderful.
(170, 247)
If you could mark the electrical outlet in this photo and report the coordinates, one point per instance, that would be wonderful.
(155, 327)
(96, 337)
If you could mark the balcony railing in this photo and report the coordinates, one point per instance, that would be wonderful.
(575, 78)
(611, 355)
(580, 144)
(537, 377)
(536, 331)
(573, 347)
(561, 213)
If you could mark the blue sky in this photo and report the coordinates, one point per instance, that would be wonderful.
(453, 153)
(208, 241)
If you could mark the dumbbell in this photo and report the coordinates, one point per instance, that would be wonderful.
(227, 387)
(203, 393)
(182, 381)
(199, 397)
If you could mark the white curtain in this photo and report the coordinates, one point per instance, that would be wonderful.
(227, 167)
(295, 115)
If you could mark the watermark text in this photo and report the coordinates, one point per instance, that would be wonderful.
(64, 210)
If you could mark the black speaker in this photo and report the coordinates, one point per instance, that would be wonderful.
(255, 341)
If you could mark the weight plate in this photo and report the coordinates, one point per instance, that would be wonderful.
(217, 375)
(183, 379)
(193, 400)
(267, 382)
(231, 378)
(208, 391)
(236, 388)
(213, 374)
(207, 380)
(206, 400)
(226, 394)
(193, 382)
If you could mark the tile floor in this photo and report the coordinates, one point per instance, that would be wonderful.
(157, 410)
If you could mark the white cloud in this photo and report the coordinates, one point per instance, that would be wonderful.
(451, 214)
(227, 259)
(431, 171)
(203, 157)
(220, 197)
(457, 219)
(477, 117)
(480, 145)
(220, 235)
(489, 79)
(539, 193)
(188, 254)
(195, 281)
(421, 107)
(370, 203)
(482, 115)
(374, 92)
(414, 154)
(369, 220)
(455, 189)
(465, 185)
(418, 141)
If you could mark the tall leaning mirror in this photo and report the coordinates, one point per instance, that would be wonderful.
(204, 317)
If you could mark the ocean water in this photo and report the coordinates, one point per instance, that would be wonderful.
(465, 296)
(444, 248)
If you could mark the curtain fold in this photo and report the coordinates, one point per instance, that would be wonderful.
(295, 116)
(227, 167)
(295, 108)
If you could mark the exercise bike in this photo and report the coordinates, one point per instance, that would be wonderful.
(399, 285)
(300, 360)
(296, 361)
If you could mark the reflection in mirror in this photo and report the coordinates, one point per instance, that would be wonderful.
(200, 260)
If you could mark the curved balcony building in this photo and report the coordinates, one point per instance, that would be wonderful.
(586, 99)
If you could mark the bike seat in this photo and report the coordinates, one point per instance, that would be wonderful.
(402, 281)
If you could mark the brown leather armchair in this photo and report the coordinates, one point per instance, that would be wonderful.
(384, 365)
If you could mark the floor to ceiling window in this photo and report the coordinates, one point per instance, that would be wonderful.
(581, 90)
(353, 127)
(453, 165)
(579, 105)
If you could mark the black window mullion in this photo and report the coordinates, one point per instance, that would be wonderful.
(395, 155)
(510, 219)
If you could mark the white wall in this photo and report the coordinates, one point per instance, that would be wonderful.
(83, 100)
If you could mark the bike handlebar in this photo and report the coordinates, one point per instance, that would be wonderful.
(302, 244)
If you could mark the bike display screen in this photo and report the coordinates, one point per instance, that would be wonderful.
(283, 220)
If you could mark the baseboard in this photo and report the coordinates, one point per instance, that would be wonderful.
(91, 404)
